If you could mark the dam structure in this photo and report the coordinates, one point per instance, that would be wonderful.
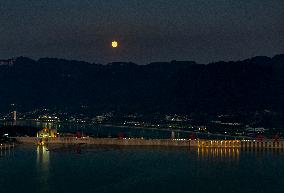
(244, 144)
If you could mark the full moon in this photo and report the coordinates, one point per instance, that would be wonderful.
(114, 44)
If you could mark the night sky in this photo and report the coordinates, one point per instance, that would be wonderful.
(148, 30)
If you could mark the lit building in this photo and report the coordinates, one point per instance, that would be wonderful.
(47, 133)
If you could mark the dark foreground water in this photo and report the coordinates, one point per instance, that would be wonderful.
(30, 169)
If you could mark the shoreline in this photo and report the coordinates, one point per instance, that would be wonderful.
(166, 129)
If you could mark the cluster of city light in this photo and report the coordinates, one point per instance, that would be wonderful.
(180, 139)
(216, 141)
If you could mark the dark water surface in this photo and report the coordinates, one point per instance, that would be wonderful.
(31, 169)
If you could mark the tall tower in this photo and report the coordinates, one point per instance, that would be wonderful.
(14, 115)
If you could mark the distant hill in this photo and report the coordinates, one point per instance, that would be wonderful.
(176, 87)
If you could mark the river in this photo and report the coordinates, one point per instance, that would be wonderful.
(35, 169)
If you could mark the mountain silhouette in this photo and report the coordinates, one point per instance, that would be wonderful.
(177, 87)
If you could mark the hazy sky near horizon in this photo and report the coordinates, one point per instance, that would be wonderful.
(147, 30)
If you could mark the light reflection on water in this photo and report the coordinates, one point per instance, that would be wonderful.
(151, 170)
(6, 151)
(42, 156)
(229, 154)
(42, 162)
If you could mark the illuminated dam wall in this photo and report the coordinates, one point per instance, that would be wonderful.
(245, 144)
